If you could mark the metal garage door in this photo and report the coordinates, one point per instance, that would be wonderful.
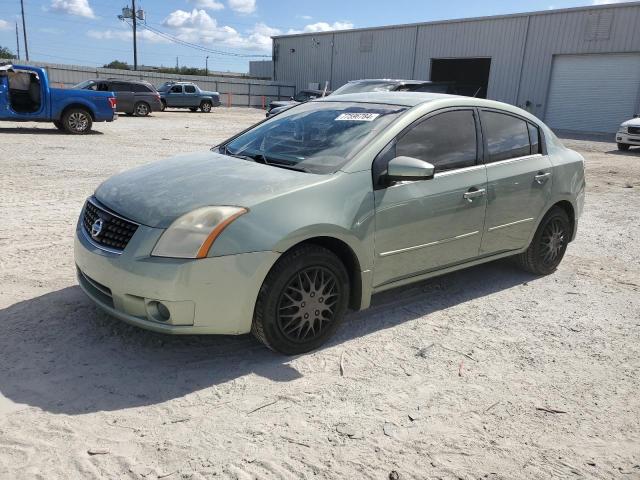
(593, 93)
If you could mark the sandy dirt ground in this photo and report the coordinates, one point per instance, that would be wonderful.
(489, 373)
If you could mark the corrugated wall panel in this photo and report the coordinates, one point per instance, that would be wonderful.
(303, 59)
(566, 33)
(502, 40)
(352, 59)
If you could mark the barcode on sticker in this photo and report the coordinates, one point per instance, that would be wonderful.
(358, 117)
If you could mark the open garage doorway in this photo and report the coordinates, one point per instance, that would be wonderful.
(471, 75)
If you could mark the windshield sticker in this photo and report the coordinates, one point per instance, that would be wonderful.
(358, 117)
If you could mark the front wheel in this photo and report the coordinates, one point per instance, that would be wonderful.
(549, 243)
(141, 109)
(205, 107)
(302, 301)
(623, 147)
(77, 121)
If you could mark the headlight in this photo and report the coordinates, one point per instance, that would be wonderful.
(193, 234)
(623, 130)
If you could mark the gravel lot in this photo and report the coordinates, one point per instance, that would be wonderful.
(487, 373)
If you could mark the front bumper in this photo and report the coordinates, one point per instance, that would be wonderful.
(213, 295)
(627, 138)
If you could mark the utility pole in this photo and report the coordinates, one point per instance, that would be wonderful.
(24, 30)
(17, 40)
(206, 66)
(135, 40)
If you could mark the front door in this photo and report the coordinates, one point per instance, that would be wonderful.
(4, 95)
(430, 224)
(519, 181)
(174, 96)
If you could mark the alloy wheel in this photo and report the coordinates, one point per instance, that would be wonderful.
(142, 110)
(553, 241)
(307, 304)
(78, 121)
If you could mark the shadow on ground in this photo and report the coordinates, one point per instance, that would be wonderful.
(63, 355)
(41, 131)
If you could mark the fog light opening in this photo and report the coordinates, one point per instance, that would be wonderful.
(159, 311)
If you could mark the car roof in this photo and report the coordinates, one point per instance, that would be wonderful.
(397, 81)
(412, 99)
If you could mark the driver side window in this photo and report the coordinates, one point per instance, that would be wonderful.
(447, 140)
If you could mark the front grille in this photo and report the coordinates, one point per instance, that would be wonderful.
(114, 233)
(634, 130)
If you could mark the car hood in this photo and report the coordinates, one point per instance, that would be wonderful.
(634, 122)
(283, 103)
(209, 94)
(158, 193)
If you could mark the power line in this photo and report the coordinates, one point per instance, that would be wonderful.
(196, 46)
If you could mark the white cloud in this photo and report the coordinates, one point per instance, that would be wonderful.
(80, 8)
(197, 26)
(243, 6)
(4, 25)
(207, 4)
(126, 35)
(327, 27)
(305, 17)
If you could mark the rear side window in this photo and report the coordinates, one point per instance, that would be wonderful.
(120, 87)
(507, 136)
(189, 89)
(534, 139)
(139, 88)
(447, 140)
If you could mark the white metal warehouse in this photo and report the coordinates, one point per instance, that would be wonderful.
(578, 69)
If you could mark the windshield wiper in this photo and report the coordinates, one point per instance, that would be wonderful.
(262, 158)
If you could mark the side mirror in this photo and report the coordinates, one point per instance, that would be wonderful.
(407, 168)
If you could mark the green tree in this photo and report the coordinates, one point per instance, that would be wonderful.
(6, 53)
(118, 65)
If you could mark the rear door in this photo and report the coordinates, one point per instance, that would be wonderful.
(519, 180)
(191, 97)
(4, 96)
(124, 95)
(430, 224)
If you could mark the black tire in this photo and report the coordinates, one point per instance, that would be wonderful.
(141, 109)
(623, 147)
(549, 243)
(163, 106)
(193, 109)
(206, 106)
(59, 125)
(307, 288)
(77, 121)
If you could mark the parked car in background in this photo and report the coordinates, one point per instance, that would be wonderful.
(283, 227)
(300, 97)
(187, 95)
(397, 85)
(629, 134)
(134, 97)
(26, 96)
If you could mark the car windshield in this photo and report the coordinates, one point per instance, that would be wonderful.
(85, 85)
(315, 137)
(359, 87)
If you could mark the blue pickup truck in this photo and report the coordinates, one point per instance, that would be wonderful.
(26, 96)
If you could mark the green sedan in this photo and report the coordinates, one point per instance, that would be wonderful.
(281, 229)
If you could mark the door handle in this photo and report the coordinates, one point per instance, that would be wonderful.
(474, 193)
(542, 177)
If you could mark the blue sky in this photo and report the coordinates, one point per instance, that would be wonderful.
(87, 32)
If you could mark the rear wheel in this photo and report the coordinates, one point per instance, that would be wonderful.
(302, 301)
(141, 109)
(205, 106)
(77, 121)
(549, 244)
(623, 146)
